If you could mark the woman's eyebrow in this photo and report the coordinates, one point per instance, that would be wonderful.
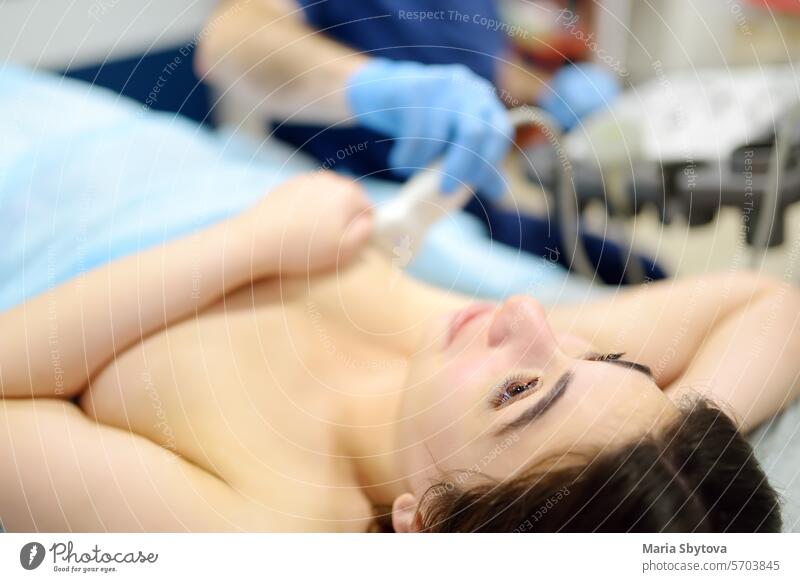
(632, 366)
(595, 357)
(540, 406)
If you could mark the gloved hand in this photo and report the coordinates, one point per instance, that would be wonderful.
(577, 90)
(435, 110)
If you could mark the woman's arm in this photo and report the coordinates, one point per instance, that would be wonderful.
(53, 344)
(748, 362)
(729, 337)
(62, 471)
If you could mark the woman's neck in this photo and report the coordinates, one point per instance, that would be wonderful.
(378, 306)
(366, 435)
(380, 303)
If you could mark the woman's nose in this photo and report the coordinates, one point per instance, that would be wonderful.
(521, 324)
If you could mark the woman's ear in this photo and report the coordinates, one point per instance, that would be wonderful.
(404, 514)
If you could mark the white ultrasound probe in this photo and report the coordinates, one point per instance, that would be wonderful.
(402, 222)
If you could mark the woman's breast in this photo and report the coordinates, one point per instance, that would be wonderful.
(216, 388)
(256, 380)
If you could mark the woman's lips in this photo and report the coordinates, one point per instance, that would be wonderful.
(463, 317)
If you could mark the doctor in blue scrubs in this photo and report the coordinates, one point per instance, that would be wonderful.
(385, 87)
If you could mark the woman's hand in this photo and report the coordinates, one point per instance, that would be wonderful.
(308, 224)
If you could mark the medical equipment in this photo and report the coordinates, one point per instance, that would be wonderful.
(401, 223)
(690, 142)
(687, 143)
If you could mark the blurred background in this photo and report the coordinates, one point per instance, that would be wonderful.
(658, 48)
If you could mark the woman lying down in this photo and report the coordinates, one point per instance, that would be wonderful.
(272, 373)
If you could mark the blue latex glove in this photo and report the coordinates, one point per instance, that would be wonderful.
(432, 111)
(577, 90)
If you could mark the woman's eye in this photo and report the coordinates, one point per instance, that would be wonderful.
(512, 390)
(516, 389)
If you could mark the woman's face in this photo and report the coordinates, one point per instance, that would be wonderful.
(498, 390)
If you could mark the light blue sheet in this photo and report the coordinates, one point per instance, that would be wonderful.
(86, 177)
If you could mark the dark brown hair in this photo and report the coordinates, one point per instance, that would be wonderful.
(697, 475)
